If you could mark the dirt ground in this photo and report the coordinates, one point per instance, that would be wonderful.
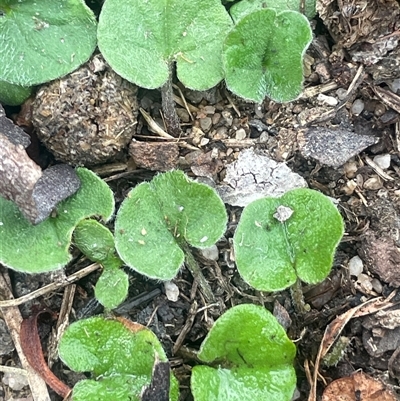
(343, 137)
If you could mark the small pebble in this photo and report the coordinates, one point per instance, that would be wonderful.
(357, 106)
(215, 118)
(228, 117)
(210, 253)
(350, 169)
(171, 291)
(341, 93)
(15, 381)
(204, 141)
(258, 110)
(383, 161)
(263, 137)
(240, 134)
(356, 266)
(373, 183)
(327, 100)
(380, 110)
(365, 282)
(209, 109)
(183, 115)
(205, 123)
(377, 285)
(222, 133)
(394, 85)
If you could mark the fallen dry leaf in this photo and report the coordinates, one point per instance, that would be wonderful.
(357, 387)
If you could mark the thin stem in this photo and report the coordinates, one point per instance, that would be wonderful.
(168, 105)
(296, 291)
(197, 274)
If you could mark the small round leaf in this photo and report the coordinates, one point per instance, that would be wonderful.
(44, 40)
(157, 215)
(94, 240)
(119, 354)
(263, 55)
(273, 247)
(254, 358)
(112, 288)
(153, 34)
(45, 247)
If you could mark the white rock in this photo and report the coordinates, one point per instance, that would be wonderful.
(383, 161)
(171, 291)
(15, 381)
(341, 93)
(327, 100)
(356, 266)
(210, 253)
(240, 134)
(357, 106)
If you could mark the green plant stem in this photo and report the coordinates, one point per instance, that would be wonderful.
(168, 105)
(197, 274)
(296, 291)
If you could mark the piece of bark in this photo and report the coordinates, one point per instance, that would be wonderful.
(36, 193)
(204, 164)
(382, 257)
(14, 134)
(158, 156)
(332, 147)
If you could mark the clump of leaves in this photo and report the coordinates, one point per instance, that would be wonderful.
(159, 219)
(153, 35)
(97, 242)
(44, 247)
(281, 239)
(263, 55)
(44, 40)
(120, 356)
(249, 358)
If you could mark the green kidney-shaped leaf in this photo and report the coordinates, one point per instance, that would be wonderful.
(112, 288)
(263, 55)
(13, 95)
(44, 247)
(244, 7)
(153, 34)
(271, 254)
(120, 354)
(253, 359)
(94, 240)
(44, 40)
(156, 216)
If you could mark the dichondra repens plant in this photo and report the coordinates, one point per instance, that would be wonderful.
(247, 353)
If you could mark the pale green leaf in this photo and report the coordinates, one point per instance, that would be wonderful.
(151, 35)
(45, 247)
(263, 55)
(112, 288)
(271, 254)
(94, 240)
(113, 351)
(251, 358)
(44, 40)
(157, 215)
